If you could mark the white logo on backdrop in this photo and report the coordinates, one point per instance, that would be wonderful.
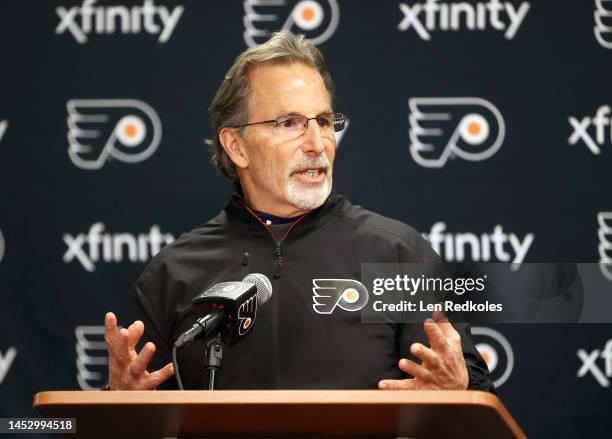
(604, 233)
(96, 246)
(589, 364)
(497, 352)
(603, 23)
(340, 134)
(318, 19)
(92, 357)
(433, 15)
(2, 246)
(470, 128)
(6, 360)
(599, 122)
(3, 127)
(498, 246)
(81, 21)
(125, 129)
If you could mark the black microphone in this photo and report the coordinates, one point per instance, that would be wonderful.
(231, 309)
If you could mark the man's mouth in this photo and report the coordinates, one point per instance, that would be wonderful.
(311, 175)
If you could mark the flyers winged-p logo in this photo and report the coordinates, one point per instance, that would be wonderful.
(603, 23)
(348, 294)
(246, 315)
(317, 20)
(441, 128)
(92, 357)
(128, 130)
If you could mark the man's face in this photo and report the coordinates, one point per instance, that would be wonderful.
(287, 175)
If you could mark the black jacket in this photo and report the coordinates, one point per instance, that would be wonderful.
(291, 345)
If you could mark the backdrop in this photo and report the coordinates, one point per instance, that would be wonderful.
(473, 118)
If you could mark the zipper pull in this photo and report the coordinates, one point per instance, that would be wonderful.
(278, 254)
(245, 258)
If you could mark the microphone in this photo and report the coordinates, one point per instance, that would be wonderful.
(230, 308)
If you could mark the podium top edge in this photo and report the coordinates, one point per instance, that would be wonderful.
(249, 397)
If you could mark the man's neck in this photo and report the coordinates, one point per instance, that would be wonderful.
(273, 219)
(269, 207)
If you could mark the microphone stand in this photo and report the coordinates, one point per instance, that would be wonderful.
(214, 354)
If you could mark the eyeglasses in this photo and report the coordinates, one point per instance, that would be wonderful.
(295, 125)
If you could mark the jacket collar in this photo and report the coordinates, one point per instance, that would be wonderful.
(241, 216)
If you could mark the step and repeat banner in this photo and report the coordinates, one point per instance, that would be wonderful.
(486, 125)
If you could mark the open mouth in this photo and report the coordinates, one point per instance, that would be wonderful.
(311, 175)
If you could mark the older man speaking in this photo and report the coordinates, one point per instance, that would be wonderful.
(275, 124)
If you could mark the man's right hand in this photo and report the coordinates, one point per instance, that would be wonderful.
(127, 370)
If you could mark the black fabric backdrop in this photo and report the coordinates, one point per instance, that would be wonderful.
(552, 69)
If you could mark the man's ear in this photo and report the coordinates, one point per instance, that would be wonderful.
(234, 147)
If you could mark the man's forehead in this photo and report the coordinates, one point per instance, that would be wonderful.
(288, 86)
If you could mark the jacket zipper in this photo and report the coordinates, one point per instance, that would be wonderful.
(278, 243)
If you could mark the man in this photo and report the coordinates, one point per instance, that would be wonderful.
(275, 139)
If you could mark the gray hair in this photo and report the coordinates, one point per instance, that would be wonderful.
(230, 105)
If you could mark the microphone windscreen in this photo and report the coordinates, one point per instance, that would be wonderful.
(263, 285)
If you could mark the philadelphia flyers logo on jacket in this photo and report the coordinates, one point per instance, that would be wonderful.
(348, 294)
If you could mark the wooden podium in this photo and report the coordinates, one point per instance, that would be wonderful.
(281, 413)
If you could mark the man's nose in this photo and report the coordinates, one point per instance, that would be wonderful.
(313, 138)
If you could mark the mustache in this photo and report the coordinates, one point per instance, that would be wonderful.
(303, 163)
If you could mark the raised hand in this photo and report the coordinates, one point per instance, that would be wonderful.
(127, 370)
(442, 365)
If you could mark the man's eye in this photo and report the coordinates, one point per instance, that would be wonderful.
(290, 122)
(325, 122)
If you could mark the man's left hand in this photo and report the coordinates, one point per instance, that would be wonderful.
(443, 366)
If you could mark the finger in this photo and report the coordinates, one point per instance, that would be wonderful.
(414, 369)
(122, 353)
(161, 375)
(139, 365)
(110, 328)
(113, 337)
(439, 316)
(136, 330)
(429, 357)
(436, 338)
(410, 384)
(444, 324)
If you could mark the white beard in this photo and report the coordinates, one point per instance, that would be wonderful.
(307, 196)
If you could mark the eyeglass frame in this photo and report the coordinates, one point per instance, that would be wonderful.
(276, 121)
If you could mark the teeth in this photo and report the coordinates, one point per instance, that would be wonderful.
(311, 172)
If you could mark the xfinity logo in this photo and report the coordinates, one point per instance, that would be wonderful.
(433, 15)
(83, 20)
(589, 364)
(96, 246)
(6, 360)
(599, 122)
(3, 127)
(496, 246)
